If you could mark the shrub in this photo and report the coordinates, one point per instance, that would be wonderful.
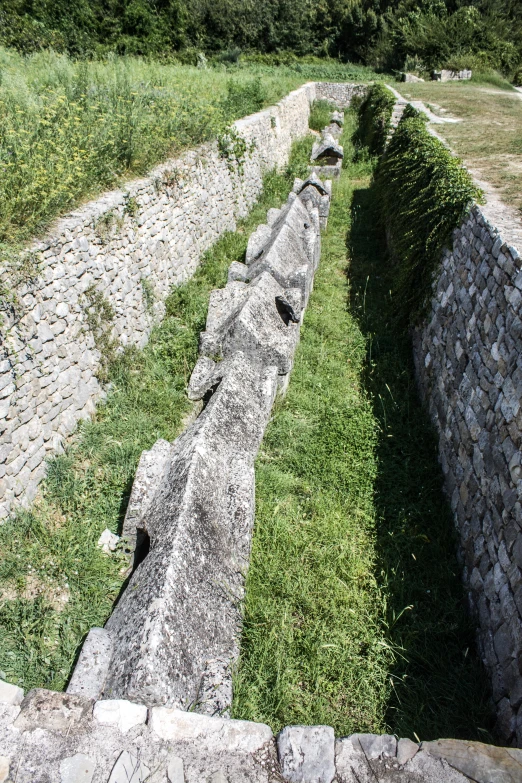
(425, 193)
(375, 113)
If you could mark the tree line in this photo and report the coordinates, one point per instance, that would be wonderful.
(386, 34)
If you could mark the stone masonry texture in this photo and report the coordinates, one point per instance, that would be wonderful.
(468, 361)
(131, 246)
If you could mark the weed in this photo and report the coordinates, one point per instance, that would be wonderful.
(99, 319)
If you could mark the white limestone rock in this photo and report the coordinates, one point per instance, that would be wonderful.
(10, 694)
(307, 754)
(215, 735)
(108, 541)
(77, 769)
(129, 769)
(121, 713)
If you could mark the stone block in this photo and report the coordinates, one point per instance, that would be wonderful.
(10, 694)
(181, 607)
(477, 761)
(307, 754)
(89, 674)
(213, 734)
(121, 713)
(60, 712)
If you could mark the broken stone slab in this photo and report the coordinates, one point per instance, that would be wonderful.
(406, 750)
(410, 77)
(175, 770)
(337, 118)
(91, 669)
(237, 271)
(182, 606)
(307, 754)
(215, 735)
(332, 171)
(334, 130)
(129, 769)
(60, 712)
(4, 768)
(225, 303)
(256, 242)
(479, 762)
(285, 260)
(327, 149)
(77, 769)
(10, 694)
(258, 330)
(148, 474)
(203, 377)
(121, 713)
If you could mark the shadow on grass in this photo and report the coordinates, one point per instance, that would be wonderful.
(439, 686)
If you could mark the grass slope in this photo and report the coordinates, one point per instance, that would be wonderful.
(55, 584)
(489, 138)
(354, 612)
(69, 129)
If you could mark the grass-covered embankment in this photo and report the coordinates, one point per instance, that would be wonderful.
(55, 584)
(69, 129)
(354, 612)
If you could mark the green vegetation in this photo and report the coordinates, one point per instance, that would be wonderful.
(424, 193)
(320, 115)
(354, 613)
(55, 583)
(489, 135)
(388, 34)
(375, 113)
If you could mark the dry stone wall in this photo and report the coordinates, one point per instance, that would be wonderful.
(130, 247)
(469, 364)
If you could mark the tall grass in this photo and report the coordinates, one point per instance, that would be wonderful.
(70, 129)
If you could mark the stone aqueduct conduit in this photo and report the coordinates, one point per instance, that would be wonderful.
(173, 634)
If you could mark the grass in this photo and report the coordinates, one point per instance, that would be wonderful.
(354, 611)
(489, 138)
(69, 129)
(55, 583)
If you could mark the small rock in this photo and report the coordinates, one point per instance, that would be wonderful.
(406, 750)
(77, 769)
(108, 541)
(175, 772)
(10, 694)
(376, 746)
(4, 768)
(307, 754)
(121, 713)
(129, 769)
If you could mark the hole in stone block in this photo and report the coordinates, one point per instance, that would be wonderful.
(142, 547)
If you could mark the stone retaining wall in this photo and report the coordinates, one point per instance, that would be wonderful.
(469, 363)
(131, 246)
(50, 737)
(340, 93)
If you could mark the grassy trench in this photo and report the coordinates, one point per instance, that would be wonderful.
(354, 611)
(55, 584)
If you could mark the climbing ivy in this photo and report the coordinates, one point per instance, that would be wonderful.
(375, 113)
(425, 193)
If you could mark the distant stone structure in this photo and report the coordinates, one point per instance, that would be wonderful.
(451, 76)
